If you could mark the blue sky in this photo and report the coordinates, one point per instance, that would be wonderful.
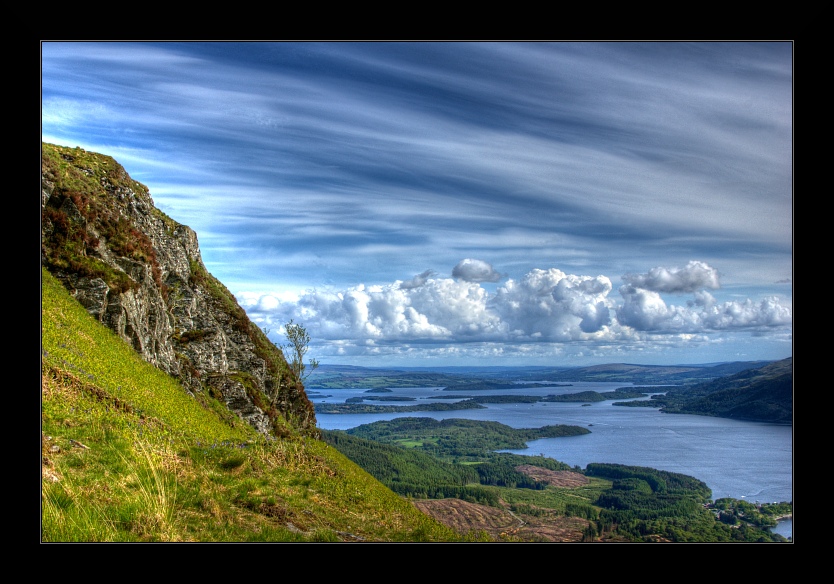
(496, 203)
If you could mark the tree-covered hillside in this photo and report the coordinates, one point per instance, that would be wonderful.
(764, 394)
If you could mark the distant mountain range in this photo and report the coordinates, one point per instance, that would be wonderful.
(349, 375)
(745, 390)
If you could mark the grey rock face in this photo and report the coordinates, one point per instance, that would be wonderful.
(145, 280)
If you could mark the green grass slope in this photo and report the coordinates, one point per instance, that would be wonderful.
(129, 456)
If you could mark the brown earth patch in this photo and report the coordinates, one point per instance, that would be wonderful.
(558, 478)
(502, 524)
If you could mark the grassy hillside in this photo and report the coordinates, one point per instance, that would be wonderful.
(128, 456)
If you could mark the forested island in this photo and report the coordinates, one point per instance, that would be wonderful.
(595, 396)
(360, 399)
(440, 462)
(482, 384)
(356, 405)
(362, 408)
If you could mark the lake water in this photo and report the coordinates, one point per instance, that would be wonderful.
(743, 460)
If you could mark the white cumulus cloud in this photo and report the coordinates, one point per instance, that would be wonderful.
(645, 310)
(544, 308)
(417, 280)
(552, 305)
(694, 276)
(472, 270)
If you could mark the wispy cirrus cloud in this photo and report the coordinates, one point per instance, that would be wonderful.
(532, 200)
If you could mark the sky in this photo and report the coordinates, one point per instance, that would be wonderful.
(431, 204)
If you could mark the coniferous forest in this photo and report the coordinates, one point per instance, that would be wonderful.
(422, 458)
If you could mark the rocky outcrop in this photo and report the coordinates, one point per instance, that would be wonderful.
(141, 274)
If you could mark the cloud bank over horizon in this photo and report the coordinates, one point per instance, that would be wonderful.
(528, 316)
